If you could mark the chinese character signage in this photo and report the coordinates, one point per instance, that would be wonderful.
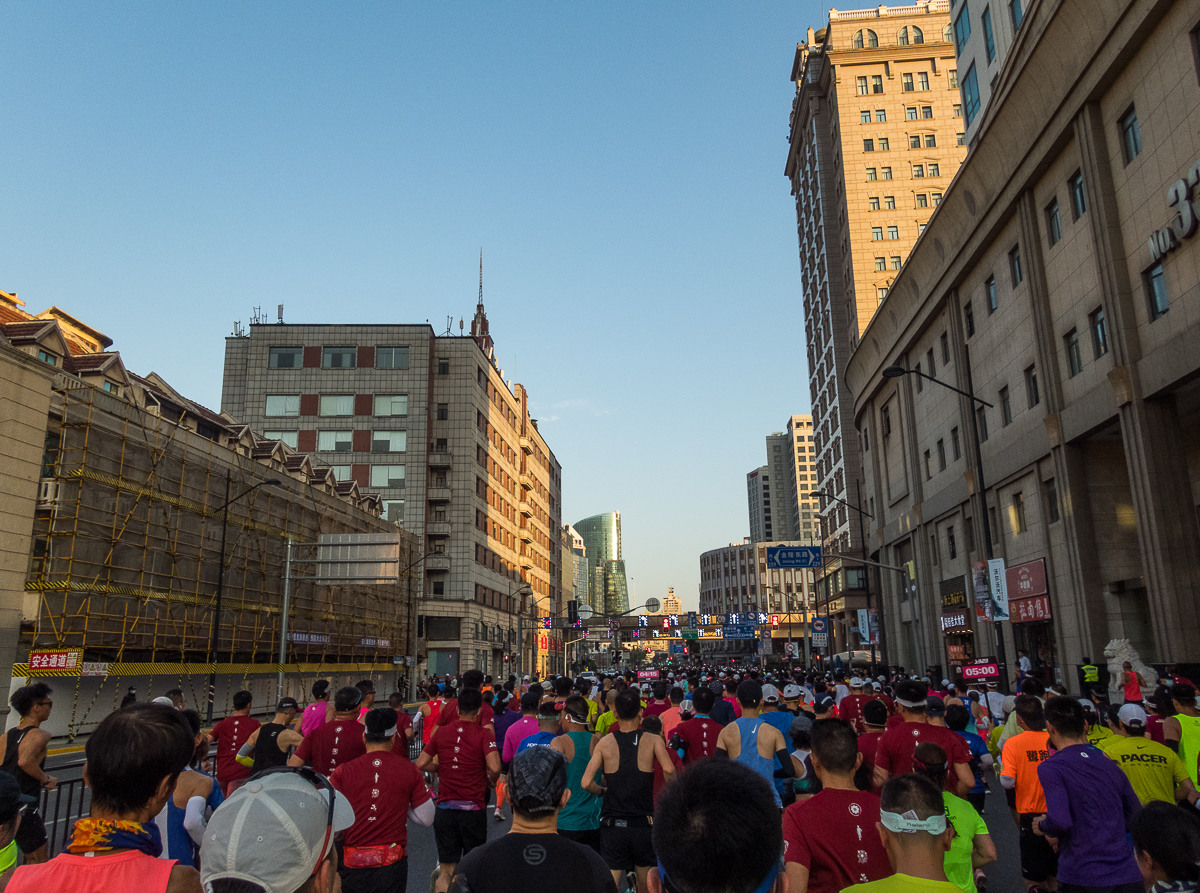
(1031, 610)
(1027, 580)
(66, 662)
(955, 622)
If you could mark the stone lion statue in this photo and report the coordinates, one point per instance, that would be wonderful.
(1116, 653)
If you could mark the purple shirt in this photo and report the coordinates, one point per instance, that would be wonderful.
(1089, 805)
(528, 725)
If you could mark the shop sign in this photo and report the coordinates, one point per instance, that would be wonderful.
(1026, 580)
(1179, 198)
(1031, 610)
(956, 652)
(955, 622)
(985, 668)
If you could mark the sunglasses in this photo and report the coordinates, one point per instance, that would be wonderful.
(321, 783)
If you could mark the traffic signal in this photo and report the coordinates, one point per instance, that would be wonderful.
(506, 656)
(572, 612)
(547, 621)
(666, 623)
(775, 620)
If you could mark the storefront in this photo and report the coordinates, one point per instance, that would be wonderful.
(956, 624)
(1032, 623)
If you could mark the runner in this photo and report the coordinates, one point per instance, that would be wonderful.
(524, 727)
(1181, 732)
(605, 720)
(755, 742)
(431, 710)
(12, 802)
(830, 839)
(627, 757)
(659, 703)
(652, 725)
(875, 717)
(229, 735)
(1166, 843)
(508, 711)
(320, 711)
(995, 703)
(547, 728)
(1019, 761)
(1132, 684)
(971, 846)
(182, 820)
(367, 687)
(271, 742)
(850, 707)
(335, 742)
(385, 790)
(671, 717)
(696, 738)
(25, 760)
(467, 763)
(1153, 769)
(896, 745)
(981, 758)
(404, 725)
(449, 712)
(579, 820)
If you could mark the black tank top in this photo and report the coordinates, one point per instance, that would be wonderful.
(630, 791)
(12, 746)
(267, 754)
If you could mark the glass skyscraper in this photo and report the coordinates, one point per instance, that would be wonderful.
(606, 568)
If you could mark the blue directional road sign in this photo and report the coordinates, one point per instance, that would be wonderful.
(793, 556)
(740, 631)
(691, 618)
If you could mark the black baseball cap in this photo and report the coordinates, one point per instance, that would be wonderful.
(935, 706)
(875, 713)
(286, 704)
(823, 703)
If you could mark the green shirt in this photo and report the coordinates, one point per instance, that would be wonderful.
(903, 883)
(1153, 769)
(605, 721)
(1189, 744)
(1099, 736)
(967, 824)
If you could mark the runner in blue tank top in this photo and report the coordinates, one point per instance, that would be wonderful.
(752, 741)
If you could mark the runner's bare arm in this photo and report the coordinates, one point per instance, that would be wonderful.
(966, 779)
(983, 850)
(797, 876)
(31, 753)
(594, 765)
(493, 766)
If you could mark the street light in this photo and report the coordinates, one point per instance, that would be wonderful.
(214, 628)
(981, 487)
(866, 575)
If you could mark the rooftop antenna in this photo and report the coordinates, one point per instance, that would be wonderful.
(256, 317)
(449, 324)
(280, 313)
(481, 277)
(460, 327)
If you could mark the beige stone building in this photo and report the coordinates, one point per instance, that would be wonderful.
(876, 136)
(1059, 278)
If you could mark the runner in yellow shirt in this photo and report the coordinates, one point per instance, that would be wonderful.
(1154, 770)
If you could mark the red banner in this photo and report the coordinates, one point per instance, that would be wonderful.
(1030, 610)
(1026, 580)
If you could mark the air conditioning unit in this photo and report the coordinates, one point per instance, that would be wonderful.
(48, 490)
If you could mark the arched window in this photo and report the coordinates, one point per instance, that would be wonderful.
(902, 37)
(948, 34)
(872, 39)
(917, 35)
(858, 40)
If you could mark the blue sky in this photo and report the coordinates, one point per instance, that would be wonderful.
(167, 167)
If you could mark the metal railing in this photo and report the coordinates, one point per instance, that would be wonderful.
(61, 808)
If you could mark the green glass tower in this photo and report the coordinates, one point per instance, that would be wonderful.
(606, 568)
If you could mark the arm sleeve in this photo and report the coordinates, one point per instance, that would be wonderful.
(193, 819)
(785, 770)
(423, 814)
(243, 754)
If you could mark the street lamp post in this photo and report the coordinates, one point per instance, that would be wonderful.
(866, 576)
(215, 622)
(980, 486)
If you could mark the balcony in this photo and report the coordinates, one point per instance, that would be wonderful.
(439, 494)
(526, 534)
(527, 444)
(526, 561)
(437, 561)
(525, 480)
(439, 458)
(526, 509)
(437, 528)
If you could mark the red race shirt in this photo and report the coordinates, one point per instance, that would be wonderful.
(381, 787)
(230, 734)
(897, 744)
(868, 744)
(701, 735)
(400, 742)
(656, 708)
(659, 778)
(833, 835)
(462, 750)
(851, 711)
(332, 744)
(487, 716)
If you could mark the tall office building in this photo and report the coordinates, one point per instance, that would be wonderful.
(671, 604)
(981, 42)
(429, 423)
(758, 502)
(778, 494)
(801, 479)
(876, 133)
(607, 583)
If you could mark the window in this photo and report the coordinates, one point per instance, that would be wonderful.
(341, 472)
(387, 475)
(893, 232)
(926, 111)
(1053, 222)
(958, 110)
(962, 29)
(877, 83)
(864, 117)
(391, 404)
(969, 318)
(877, 234)
(953, 79)
(922, 200)
(880, 263)
(862, 85)
(970, 94)
(934, 170)
(928, 466)
(871, 173)
(908, 82)
(989, 39)
(335, 441)
(889, 201)
(914, 141)
(1014, 9)
(921, 228)
(282, 404)
(989, 289)
(112, 388)
(393, 511)
(941, 451)
(1156, 291)
(961, 139)
(1074, 359)
(883, 144)
(886, 173)
(287, 438)
(389, 441)
(443, 366)
(338, 358)
(881, 293)
(1005, 407)
(286, 358)
(902, 37)
(955, 444)
(945, 349)
(887, 422)
(858, 40)
(1032, 395)
(868, 145)
(920, 378)
(881, 116)
(1099, 333)
(910, 113)
(918, 170)
(932, 367)
(1016, 514)
(951, 546)
(391, 358)
(48, 358)
(937, 199)
(933, 544)
(1078, 199)
(1014, 266)
(917, 35)
(1131, 137)
(443, 412)
(930, 141)
(872, 39)
(981, 421)
(1051, 501)
(336, 404)
(895, 262)
(922, 80)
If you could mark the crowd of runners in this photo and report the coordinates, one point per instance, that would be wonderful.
(708, 780)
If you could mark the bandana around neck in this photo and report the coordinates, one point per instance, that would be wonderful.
(104, 835)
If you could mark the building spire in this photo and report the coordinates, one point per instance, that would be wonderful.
(480, 277)
(479, 325)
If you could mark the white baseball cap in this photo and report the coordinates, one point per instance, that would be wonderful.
(791, 692)
(770, 694)
(1132, 715)
(855, 682)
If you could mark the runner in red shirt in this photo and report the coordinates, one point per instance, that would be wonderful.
(385, 790)
(894, 753)
(449, 712)
(404, 725)
(653, 726)
(850, 708)
(875, 717)
(697, 737)
(467, 763)
(829, 839)
(336, 742)
(659, 703)
(230, 734)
